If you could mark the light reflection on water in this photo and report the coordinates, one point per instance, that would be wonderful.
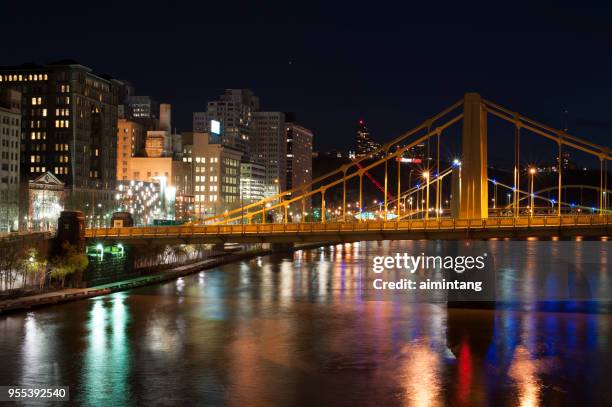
(306, 329)
(107, 359)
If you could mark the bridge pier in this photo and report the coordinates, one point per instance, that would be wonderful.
(71, 230)
(474, 186)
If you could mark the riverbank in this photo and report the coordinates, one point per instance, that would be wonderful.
(74, 294)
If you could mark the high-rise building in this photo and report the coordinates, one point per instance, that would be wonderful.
(130, 139)
(252, 176)
(69, 127)
(364, 145)
(234, 110)
(10, 136)
(299, 159)
(269, 148)
(299, 155)
(215, 171)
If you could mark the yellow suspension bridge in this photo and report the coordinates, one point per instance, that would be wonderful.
(413, 213)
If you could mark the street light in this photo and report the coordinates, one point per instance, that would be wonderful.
(532, 172)
(426, 177)
(494, 194)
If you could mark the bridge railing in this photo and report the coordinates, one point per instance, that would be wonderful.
(416, 224)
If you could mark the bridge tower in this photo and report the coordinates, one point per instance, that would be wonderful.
(474, 193)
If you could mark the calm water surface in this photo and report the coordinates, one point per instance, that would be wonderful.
(306, 329)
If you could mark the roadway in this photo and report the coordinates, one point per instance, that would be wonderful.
(444, 228)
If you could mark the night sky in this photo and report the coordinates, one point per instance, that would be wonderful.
(392, 65)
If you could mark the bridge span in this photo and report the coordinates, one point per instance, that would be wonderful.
(494, 227)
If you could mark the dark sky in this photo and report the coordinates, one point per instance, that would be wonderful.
(333, 63)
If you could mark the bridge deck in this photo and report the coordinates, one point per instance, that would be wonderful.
(369, 230)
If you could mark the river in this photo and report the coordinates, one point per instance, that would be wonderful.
(306, 328)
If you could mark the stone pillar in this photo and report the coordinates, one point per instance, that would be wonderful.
(71, 229)
(474, 192)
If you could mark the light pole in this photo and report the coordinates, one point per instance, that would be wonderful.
(532, 172)
(426, 177)
(241, 210)
(494, 194)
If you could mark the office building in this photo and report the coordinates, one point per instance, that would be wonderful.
(234, 110)
(299, 159)
(215, 171)
(146, 201)
(252, 177)
(269, 148)
(69, 127)
(10, 136)
(130, 143)
(184, 207)
(299, 155)
(172, 173)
